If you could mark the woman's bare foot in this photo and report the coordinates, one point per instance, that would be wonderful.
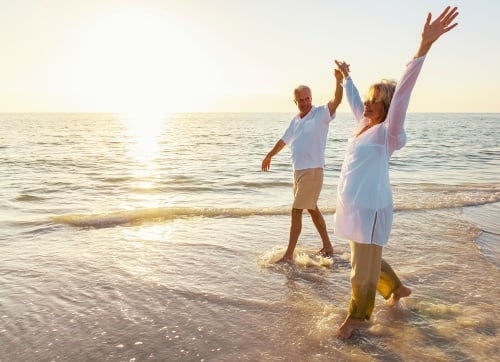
(345, 330)
(399, 293)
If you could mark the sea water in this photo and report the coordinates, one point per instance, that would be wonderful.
(154, 239)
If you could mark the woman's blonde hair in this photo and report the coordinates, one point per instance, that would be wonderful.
(386, 88)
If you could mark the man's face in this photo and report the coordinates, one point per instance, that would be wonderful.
(303, 100)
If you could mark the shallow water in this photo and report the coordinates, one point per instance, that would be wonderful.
(111, 254)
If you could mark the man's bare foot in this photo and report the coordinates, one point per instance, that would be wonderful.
(285, 260)
(399, 293)
(326, 253)
(346, 329)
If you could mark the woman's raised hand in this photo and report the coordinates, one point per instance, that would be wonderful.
(434, 29)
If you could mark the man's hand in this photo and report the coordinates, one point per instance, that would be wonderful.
(266, 163)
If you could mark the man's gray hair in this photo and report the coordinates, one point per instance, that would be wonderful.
(301, 88)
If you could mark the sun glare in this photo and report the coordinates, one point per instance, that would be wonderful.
(144, 131)
(143, 140)
(137, 61)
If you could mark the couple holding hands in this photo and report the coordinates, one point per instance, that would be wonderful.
(364, 209)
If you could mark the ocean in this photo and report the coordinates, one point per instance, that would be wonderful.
(144, 238)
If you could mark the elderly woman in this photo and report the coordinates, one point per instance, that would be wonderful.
(364, 209)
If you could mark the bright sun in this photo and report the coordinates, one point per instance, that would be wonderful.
(138, 60)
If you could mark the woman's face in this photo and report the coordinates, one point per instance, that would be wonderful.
(374, 108)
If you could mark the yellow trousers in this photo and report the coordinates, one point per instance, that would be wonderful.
(369, 273)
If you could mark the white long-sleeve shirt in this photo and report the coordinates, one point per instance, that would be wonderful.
(364, 209)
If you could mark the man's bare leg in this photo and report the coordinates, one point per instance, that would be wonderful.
(295, 229)
(320, 224)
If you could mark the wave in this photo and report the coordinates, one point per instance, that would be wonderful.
(114, 180)
(151, 215)
(139, 216)
(436, 196)
(262, 185)
(216, 187)
(26, 197)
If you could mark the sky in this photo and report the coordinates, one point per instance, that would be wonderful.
(236, 55)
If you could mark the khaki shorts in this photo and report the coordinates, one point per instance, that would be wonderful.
(307, 186)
